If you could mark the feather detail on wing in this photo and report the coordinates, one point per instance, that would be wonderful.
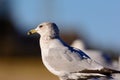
(78, 51)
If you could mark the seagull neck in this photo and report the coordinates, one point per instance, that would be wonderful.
(45, 41)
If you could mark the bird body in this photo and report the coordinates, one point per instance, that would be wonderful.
(66, 62)
(61, 61)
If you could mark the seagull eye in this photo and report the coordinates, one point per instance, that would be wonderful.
(40, 26)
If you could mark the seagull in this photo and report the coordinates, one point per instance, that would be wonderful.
(64, 61)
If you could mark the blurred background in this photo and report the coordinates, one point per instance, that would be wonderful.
(96, 23)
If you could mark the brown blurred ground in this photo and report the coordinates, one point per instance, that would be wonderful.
(16, 68)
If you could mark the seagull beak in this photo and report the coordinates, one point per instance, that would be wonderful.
(32, 32)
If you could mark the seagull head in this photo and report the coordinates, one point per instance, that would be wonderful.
(46, 29)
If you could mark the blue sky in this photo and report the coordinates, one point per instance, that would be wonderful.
(101, 18)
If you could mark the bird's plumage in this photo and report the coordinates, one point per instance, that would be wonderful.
(66, 62)
(100, 56)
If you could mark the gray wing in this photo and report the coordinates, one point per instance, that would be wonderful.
(69, 60)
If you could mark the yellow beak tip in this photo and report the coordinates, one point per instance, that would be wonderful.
(31, 32)
(28, 33)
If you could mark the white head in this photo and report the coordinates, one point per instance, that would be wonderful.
(46, 29)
